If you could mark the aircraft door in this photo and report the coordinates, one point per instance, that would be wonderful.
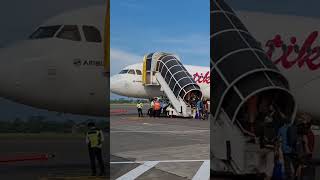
(147, 70)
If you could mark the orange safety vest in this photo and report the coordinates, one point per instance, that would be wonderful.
(157, 106)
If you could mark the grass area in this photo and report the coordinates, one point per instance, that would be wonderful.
(41, 135)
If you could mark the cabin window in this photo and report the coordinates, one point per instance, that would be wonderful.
(45, 32)
(125, 71)
(138, 72)
(131, 71)
(91, 33)
(70, 32)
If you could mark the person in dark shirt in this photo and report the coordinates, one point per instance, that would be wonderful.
(304, 149)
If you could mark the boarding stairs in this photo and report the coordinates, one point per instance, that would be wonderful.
(166, 70)
(231, 152)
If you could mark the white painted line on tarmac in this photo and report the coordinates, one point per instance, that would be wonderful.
(136, 172)
(160, 161)
(192, 131)
(204, 171)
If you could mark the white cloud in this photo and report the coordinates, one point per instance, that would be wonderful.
(187, 39)
(120, 58)
(190, 44)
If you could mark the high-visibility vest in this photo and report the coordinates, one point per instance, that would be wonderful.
(139, 105)
(94, 137)
(157, 105)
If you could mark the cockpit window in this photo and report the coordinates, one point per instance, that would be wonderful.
(70, 32)
(91, 34)
(125, 71)
(45, 32)
(131, 71)
(138, 72)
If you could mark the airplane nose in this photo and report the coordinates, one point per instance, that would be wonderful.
(115, 84)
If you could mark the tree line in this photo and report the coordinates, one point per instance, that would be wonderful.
(40, 125)
(125, 101)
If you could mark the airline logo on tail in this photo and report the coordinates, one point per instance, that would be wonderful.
(305, 55)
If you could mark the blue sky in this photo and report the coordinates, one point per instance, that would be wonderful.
(143, 26)
(180, 26)
(137, 27)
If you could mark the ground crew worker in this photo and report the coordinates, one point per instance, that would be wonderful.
(156, 108)
(139, 107)
(94, 140)
(150, 111)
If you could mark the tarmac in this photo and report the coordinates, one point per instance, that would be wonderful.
(162, 148)
(157, 148)
(140, 148)
(71, 159)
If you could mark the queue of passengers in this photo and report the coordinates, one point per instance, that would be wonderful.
(156, 108)
(199, 108)
(287, 148)
(162, 108)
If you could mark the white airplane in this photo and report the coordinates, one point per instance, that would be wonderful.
(129, 82)
(292, 43)
(60, 67)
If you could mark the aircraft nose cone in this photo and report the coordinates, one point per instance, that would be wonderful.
(115, 84)
(9, 79)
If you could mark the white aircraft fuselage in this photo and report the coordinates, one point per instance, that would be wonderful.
(60, 67)
(291, 42)
(293, 45)
(130, 84)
